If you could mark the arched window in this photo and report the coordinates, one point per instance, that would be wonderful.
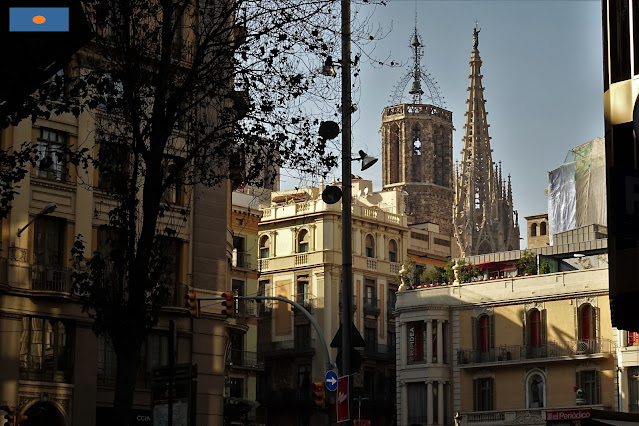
(303, 239)
(265, 245)
(392, 251)
(533, 230)
(587, 328)
(484, 333)
(542, 228)
(370, 246)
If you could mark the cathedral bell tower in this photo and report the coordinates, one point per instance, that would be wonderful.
(417, 147)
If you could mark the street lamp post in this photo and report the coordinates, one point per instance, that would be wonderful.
(347, 250)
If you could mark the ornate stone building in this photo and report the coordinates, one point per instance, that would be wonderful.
(483, 214)
(417, 148)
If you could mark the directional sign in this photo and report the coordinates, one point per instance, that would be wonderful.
(331, 380)
(343, 403)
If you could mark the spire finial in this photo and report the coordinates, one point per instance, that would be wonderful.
(416, 89)
(476, 35)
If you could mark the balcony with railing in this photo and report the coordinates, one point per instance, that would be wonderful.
(246, 359)
(371, 306)
(510, 417)
(307, 300)
(262, 264)
(242, 259)
(50, 278)
(552, 351)
(291, 347)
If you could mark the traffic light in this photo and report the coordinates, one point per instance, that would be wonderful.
(10, 416)
(191, 303)
(319, 394)
(228, 304)
(20, 418)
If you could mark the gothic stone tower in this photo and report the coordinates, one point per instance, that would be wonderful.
(417, 149)
(483, 213)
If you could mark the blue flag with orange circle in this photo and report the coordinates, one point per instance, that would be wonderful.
(39, 19)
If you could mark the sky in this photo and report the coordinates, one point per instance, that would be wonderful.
(542, 74)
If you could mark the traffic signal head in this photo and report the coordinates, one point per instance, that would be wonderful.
(228, 304)
(319, 394)
(191, 303)
(21, 418)
(10, 416)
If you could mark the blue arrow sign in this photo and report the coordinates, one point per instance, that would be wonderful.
(331, 380)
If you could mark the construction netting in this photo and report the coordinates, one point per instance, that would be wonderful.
(577, 189)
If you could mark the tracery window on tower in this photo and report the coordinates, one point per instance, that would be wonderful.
(417, 147)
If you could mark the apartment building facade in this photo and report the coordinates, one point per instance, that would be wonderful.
(300, 259)
(55, 370)
(503, 349)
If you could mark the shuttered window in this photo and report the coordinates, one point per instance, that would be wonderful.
(588, 380)
(483, 394)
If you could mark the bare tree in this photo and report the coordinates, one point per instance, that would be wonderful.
(183, 93)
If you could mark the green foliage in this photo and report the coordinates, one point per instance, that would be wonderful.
(450, 274)
(434, 275)
(544, 267)
(413, 272)
(468, 272)
(527, 263)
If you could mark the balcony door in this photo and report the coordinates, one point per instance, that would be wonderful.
(48, 241)
(48, 244)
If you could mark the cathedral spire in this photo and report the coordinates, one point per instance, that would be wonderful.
(481, 214)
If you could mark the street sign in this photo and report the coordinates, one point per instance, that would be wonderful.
(331, 380)
(343, 403)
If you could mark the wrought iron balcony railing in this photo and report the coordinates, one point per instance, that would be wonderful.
(522, 353)
(50, 278)
(246, 359)
(371, 306)
(242, 259)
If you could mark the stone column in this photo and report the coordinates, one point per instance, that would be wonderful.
(312, 232)
(294, 242)
(429, 343)
(440, 342)
(429, 403)
(440, 403)
(272, 236)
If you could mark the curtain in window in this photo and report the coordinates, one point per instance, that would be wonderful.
(416, 395)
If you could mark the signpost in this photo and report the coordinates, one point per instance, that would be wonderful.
(331, 380)
(343, 403)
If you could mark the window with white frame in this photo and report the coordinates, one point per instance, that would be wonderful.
(370, 246)
(303, 240)
(265, 245)
(392, 251)
(50, 150)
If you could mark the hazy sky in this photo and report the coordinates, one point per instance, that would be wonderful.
(542, 68)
